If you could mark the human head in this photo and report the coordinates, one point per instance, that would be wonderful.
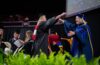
(28, 33)
(1, 31)
(42, 18)
(16, 34)
(79, 19)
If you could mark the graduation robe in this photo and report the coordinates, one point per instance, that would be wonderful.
(82, 42)
(68, 26)
(41, 42)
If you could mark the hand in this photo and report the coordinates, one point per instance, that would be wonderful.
(71, 33)
(61, 20)
(61, 15)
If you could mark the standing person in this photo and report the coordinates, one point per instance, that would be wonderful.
(40, 35)
(81, 38)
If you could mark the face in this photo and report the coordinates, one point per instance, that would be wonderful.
(78, 20)
(43, 18)
(16, 35)
(1, 31)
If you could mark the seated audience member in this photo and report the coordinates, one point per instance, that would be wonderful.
(5, 47)
(55, 44)
(2, 46)
(15, 41)
(28, 42)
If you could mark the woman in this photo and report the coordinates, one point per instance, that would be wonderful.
(28, 42)
(81, 38)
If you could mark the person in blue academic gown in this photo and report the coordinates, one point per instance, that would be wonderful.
(81, 34)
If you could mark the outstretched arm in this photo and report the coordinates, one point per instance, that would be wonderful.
(62, 15)
(50, 22)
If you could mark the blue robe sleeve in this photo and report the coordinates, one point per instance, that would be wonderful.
(68, 26)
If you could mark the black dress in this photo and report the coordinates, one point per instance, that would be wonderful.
(28, 47)
(41, 42)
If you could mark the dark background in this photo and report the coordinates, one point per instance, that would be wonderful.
(51, 8)
(32, 7)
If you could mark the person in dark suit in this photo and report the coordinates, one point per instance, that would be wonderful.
(16, 36)
(28, 43)
(40, 34)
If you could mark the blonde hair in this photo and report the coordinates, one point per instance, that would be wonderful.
(29, 32)
(28, 35)
(42, 18)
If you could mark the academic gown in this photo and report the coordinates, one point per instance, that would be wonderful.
(68, 25)
(41, 42)
(81, 40)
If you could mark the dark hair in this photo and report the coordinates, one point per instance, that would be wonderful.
(41, 14)
(17, 31)
(81, 16)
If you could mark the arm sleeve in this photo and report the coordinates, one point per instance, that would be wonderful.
(68, 26)
(49, 23)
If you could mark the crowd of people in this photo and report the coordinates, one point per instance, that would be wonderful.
(78, 35)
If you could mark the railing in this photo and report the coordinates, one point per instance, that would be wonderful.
(17, 23)
(20, 23)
